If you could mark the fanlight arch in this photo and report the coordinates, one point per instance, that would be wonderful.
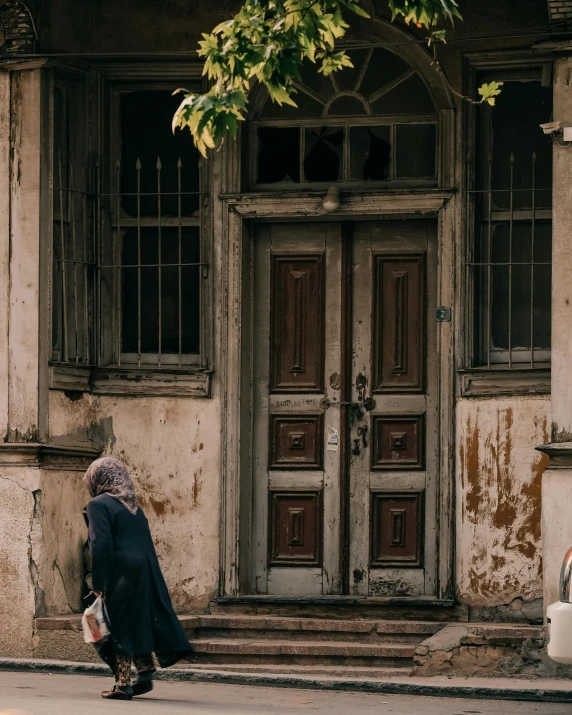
(374, 122)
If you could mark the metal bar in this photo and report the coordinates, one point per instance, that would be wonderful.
(86, 331)
(166, 221)
(160, 336)
(489, 256)
(469, 293)
(138, 168)
(507, 263)
(204, 273)
(164, 193)
(100, 261)
(71, 203)
(119, 271)
(64, 277)
(151, 265)
(179, 167)
(510, 231)
(532, 237)
(505, 191)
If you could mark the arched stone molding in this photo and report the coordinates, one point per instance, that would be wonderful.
(376, 31)
(17, 29)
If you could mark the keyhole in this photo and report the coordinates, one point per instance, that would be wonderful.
(356, 449)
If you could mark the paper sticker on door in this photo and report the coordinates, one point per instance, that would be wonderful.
(333, 439)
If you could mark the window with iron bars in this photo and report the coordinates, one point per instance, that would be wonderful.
(508, 264)
(137, 244)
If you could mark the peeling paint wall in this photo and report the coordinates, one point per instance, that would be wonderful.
(499, 476)
(172, 449)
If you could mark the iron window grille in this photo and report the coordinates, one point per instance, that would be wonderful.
(127, 285)
(508, 264)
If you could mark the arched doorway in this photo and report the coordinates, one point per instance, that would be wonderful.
(341, 443)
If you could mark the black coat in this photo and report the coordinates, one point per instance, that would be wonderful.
(126, 569)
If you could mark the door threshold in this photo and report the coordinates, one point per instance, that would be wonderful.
(406, 601)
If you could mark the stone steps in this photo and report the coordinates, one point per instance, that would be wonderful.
(229, 650)
(263, 627)
(273, 644)
(420, 608)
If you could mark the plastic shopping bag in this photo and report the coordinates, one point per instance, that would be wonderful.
(95, 623)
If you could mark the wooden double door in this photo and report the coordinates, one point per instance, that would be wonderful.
(344, 409)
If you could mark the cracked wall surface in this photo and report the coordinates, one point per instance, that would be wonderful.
(16, 571)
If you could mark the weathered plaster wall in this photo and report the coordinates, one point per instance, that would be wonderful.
(57, 543)
(172, 448)
(17, 497)
(499, 476)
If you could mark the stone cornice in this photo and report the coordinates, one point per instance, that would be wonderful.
(52, 456)
(560, 454)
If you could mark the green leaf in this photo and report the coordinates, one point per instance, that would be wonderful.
(268, 40)
(489, 91)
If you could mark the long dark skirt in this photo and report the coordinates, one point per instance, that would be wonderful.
(125, 568)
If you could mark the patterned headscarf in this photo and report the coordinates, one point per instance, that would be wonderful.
(110, 476)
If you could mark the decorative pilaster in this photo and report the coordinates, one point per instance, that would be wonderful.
(557, 480)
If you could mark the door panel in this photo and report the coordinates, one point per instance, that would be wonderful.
(297, 296)
(299, 304)
(393, 462)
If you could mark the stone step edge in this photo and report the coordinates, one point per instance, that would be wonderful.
(337, 671)
(522, 690)
(224, 646)
(519, 631)
(72, 622)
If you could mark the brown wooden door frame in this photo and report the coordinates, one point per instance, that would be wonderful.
(232, 218)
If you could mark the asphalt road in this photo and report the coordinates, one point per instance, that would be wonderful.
(36, 694)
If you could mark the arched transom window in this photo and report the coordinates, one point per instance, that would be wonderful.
(374, 123)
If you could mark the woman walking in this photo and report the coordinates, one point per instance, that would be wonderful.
(126, 571)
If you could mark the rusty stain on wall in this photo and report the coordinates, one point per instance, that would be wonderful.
(498, 517)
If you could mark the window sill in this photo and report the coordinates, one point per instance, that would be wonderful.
(134, 382)
(484, 382)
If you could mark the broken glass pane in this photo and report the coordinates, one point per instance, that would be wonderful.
(415, 150)
(278, 155)
(323, 154)
(370, 153)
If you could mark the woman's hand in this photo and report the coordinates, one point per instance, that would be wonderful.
(97, 594)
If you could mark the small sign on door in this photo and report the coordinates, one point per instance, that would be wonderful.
(333, 440)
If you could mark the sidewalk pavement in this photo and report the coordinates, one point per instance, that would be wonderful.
(532, 690)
